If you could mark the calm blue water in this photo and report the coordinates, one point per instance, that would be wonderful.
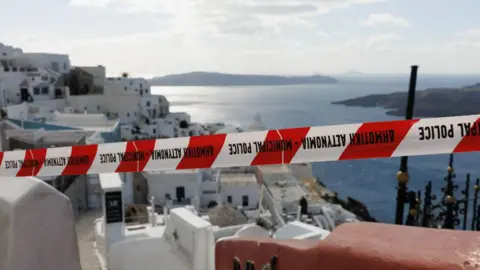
(370, 181)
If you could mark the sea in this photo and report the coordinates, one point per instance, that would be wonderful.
(371, 181)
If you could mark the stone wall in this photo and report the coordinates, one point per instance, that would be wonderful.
(362, 246)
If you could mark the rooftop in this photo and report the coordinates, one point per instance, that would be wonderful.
(236, 179)
(91, 122)
(225, 215)
(49, 137)
(190, 218)
(275, 169)
(287, 193)
(110, 181)
(186, 171)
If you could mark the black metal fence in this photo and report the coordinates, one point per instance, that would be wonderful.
(457, 207)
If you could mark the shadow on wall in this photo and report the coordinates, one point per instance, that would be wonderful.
(112, 136)
(362, 245)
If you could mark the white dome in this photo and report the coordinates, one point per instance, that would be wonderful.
(229, 129)
(257, 124)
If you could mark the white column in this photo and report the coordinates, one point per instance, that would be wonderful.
(113, 208)
(128, 188)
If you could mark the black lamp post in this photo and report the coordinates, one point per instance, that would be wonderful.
(402, 175)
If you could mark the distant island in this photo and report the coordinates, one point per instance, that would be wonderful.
(352, 73)
(222, 79)
(434, 102)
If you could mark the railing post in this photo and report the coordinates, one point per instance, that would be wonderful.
(449, 198)
(476, 187)
(402, 175)
(427, 205)
(465, 202)
(412, 212)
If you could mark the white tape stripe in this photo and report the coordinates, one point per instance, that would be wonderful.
(11, 162)
(164, 149)
(56, 153)
(312, 154)
(238, 143)
(107, 159)
(412, 145)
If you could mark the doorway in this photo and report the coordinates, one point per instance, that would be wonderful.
(24, 94)
(180, 192)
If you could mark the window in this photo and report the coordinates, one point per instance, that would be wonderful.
(128, 114)
(6, 69)
(85, 108)
(146, 91)
(154, 131)
(36, 91)
(4, 53)
(148, 103)
(45, 91)
(14, 69)
(141, 86)
(98, 107)
(136, 90)
(245, 200)
(125, 88)
(229, 199)
(55, 66)
(22, 69)
(64, 66)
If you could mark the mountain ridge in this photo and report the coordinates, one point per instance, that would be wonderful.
(202, 78)
(432, 102)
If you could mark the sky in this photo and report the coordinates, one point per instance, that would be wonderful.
(159, 37)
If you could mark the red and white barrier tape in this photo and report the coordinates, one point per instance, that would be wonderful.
(283, 146)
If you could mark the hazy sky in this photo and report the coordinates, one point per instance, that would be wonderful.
(156, 37)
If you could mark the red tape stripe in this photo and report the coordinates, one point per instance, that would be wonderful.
(33, 162)
(295, 136)
(81, 159)
(202, 151)
(470, 142)
(396, 129)
(136, 156)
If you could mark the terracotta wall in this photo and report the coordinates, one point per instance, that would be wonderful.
(361, 246)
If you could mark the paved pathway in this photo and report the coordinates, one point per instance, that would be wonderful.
(84, 226)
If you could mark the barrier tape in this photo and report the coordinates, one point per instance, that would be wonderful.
(283, 146)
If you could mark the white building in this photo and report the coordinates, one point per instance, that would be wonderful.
(204, 188)
(26, 77)
(59, 94)
(181, 186)
(240, 190)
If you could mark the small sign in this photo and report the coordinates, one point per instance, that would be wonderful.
(113, 207)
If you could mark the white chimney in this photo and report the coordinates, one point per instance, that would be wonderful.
(152, 215)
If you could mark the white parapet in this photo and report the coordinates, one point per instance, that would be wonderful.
(37, 227)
